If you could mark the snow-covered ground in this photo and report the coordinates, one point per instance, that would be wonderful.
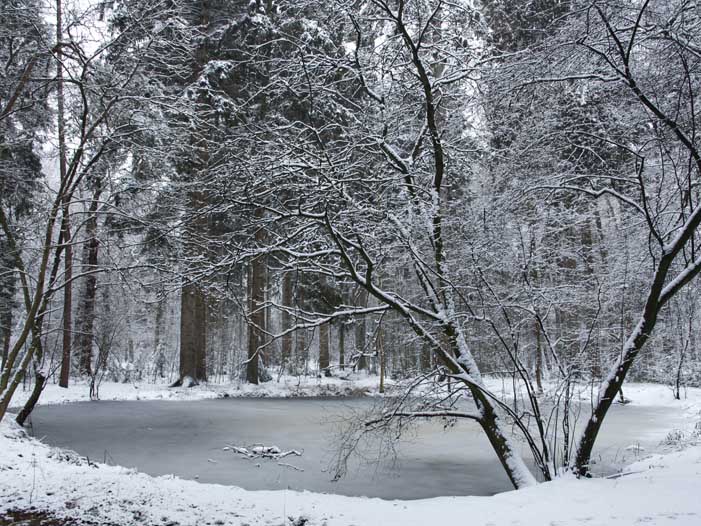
(310, 386)
(658, 490)
(285, 387)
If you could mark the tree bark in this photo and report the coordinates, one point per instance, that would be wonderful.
(193, 336)
(656, 298)
(67, 304)
(65, 223)
(361, 333)
(287, 303)
(381, 357)
(39, 383)
(159, 371)
(7, 299)
(301, 349)
(6, 323)
(342, 345)
(256, 306)
(324, 349)
(538, 359)
(85, 336)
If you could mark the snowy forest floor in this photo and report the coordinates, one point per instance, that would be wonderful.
(287, 386)
(50, 486)
(284, 387)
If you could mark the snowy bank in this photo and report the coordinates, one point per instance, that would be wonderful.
(644, 394)
(285, 387)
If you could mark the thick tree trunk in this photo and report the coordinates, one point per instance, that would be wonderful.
(6, 303)
(425, 355)
(511, 461)
(287, 303)
(85, 336)
(159, 371)
(324, 349)
(361, 333)
(342, 345)
(301, 347)
(67, 305)
(6, 324)
(65, 224)
(380, 344)
(193, 336)
(256, 306)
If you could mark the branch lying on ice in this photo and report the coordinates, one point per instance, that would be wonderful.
(272, 452)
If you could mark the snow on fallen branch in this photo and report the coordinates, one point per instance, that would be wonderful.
(260, 451)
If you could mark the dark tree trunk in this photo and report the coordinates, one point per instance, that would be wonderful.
(6, 323)
(256, 306)
(361, 333)
(39, 383)
(342, 345)
(287, 303)
(380, 345)
(65, 223)
(324, 362)
(85, 336)
(193, 336)
(656, 299)
(538, 359)
(67, 305)
(6, 303)
(159, 371)
(425, 355)
(301, 349)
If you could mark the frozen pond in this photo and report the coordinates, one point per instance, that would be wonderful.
(186, 439)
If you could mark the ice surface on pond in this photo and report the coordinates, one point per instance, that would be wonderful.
(194, 440)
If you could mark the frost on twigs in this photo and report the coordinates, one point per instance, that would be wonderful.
(70, 457)
(679, 439)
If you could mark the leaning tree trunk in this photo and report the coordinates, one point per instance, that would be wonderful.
(39, 377)
(39, 384)
(659, 295)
